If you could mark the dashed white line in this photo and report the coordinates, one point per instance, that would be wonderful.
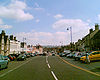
(48, 65)
(46, 60)
(13, 69)
(54, 75)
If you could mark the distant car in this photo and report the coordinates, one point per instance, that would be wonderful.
(27, 55)
(32, 55)
(3, 62)
(21, 57)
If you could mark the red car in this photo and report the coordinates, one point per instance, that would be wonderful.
(12, 58)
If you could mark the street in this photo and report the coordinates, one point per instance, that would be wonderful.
(45, 68)
(49, 39)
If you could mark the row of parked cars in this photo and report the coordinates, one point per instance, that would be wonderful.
(82, 56)
(4, 60)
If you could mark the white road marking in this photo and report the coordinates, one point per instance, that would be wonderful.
(46, 60)
(13, 69)
(49, 66)
(54, 75)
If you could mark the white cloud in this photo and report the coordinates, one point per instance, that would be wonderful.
(89, 21)
(79, 27)
(15, 4)
(58, 16)
(62, 36)
(1, 22)
(37, 20)
(5, 26)
(44, 38)
(37, 5)
(99, 16)
(15, 10)
(38, 8)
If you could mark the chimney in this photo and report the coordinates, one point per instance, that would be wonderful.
(91, 30)
(15, 38)
(3, 32)
(11, 37)
(96, 27)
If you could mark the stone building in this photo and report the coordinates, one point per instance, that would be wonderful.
(90, 42)
(9, 45)
(4, 43)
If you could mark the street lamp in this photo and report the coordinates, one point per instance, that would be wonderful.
(70, 28)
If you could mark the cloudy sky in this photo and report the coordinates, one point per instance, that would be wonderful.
(45, 22)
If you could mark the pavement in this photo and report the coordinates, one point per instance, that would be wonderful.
(48, 68)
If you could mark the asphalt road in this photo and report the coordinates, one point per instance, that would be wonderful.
(45, 68)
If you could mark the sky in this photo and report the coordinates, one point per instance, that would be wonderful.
(45, 22)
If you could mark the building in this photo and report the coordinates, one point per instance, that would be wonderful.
(4, 43)
(23, 46)
(15, 46)
(90, 42)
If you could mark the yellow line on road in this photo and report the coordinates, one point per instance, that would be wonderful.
(80, 67)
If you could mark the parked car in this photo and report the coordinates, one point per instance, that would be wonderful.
(15, 55)
(3, 62)
(21, 57)
(27, 55)
(82, 54)
(77, 55)
(11, 58)
(70, 55)
(93, 56)
(62, 55)
(6, 58)
(32, 55)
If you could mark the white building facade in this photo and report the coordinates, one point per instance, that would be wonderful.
(15, 47)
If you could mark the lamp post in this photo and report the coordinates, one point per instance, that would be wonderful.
(70, 28)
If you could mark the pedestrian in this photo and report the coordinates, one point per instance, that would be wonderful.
(87, 58)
